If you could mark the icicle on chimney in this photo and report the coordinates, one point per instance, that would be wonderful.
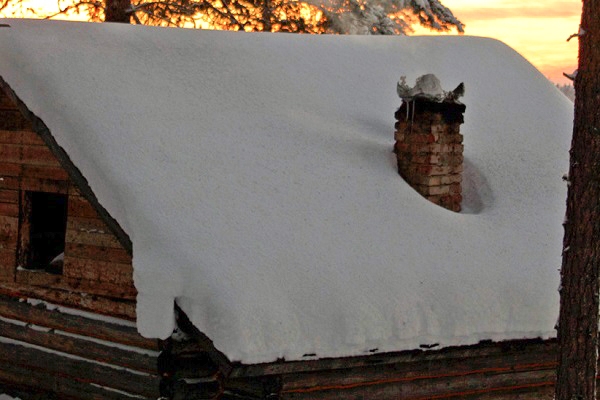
(429, 145)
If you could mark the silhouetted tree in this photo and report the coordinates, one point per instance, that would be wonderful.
(117, 11)
(311, 16)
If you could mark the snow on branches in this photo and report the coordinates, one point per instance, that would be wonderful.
(385, 17)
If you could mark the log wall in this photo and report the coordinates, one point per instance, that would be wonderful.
(97, 273)
(511, 370)
(52, 352)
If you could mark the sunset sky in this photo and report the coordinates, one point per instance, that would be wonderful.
(538, 29)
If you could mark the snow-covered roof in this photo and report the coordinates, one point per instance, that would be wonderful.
(255, 176)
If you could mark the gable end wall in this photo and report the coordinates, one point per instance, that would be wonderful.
(97, 262)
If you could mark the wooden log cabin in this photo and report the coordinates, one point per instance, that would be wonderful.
(70, 313)
(67, 327)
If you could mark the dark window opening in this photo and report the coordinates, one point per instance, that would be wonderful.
(43, 230)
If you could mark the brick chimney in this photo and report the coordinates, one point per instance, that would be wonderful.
(429, 146)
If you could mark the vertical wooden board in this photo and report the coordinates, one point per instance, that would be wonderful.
(24, 230)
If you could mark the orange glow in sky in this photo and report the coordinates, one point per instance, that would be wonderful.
(538, 29)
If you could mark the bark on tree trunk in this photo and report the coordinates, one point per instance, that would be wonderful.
(578, 320)
(118, 11)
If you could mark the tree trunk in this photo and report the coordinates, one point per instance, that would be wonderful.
(118, 11)
(578, 320)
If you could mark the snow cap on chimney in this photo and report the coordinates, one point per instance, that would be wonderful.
(428, 145)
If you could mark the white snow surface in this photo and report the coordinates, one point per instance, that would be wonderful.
(255, 176)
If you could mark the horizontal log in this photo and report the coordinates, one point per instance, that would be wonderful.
(80, 370)
(12, 308)
(417, 369)
(110, 290)
(6, 102)
(9, 196)
(120, 308)
(28, 154)
(9, 209)
(10, 182)
(80, 207)
(99, 253)
(102, 239)
(37, 277)
(10, 169)
(123, 290)
(208, 390)
(249, 388)
(443, 387)
(545, 392)
(105, 353)
(45, 185)
(20, 137)
(34, 184)
(13, 120)
(27, 384)
(87, 224)
(44, 172)
(434, 357)
(94, 270)
(194, 366)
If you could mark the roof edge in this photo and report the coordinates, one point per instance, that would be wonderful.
(65, 161)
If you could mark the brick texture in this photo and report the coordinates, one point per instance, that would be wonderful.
(429, 150)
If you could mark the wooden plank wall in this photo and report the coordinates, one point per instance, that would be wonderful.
(50, 352)
(97, 272)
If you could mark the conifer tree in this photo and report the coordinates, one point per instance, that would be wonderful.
(310, 16)
(578, 320)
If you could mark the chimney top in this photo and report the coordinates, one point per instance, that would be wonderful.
(428, 141)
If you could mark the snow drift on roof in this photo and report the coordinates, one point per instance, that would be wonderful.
(254, 174)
